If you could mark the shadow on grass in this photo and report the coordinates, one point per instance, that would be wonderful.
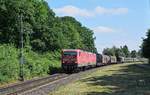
(131, 80)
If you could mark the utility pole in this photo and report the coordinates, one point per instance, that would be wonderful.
(21, 48)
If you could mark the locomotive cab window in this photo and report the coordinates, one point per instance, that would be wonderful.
(70, 53)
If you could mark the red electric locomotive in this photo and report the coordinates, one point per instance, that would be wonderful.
(73, 59)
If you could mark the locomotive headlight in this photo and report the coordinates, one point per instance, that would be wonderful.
(75, 61)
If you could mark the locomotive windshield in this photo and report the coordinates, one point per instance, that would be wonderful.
(70, 53)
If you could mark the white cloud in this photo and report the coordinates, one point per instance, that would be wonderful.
(112, 11)
(70, 10)
(103, 29)
(73, 11)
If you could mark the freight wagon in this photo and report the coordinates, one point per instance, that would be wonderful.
(113, 59)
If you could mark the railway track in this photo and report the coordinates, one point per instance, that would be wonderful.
(22, 87)
(46, 89)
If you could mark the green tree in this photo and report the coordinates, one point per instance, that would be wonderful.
(108, 51)
(114, 51)
(9, 21)
(126, 51)
(133, 54)
(146, 46)
(78, 36)
(139, 53)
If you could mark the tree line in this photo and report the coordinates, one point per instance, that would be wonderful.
(43, 30)
(123, 51)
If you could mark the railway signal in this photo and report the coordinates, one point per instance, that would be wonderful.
(21, 74)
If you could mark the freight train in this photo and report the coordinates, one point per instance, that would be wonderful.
(74, 59)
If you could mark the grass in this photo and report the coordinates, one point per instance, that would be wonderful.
(120, 79)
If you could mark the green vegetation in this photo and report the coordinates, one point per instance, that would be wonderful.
(122, 51)
(120, 79)
(9, 65)
(35, 64)
(44, 36)
(146, 46)
(43, 31)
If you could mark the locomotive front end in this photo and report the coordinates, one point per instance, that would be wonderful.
(69, 60)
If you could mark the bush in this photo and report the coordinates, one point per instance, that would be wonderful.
(9, 64)
(42, 64)
(35, 64)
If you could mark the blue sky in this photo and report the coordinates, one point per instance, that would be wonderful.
(114, 22)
